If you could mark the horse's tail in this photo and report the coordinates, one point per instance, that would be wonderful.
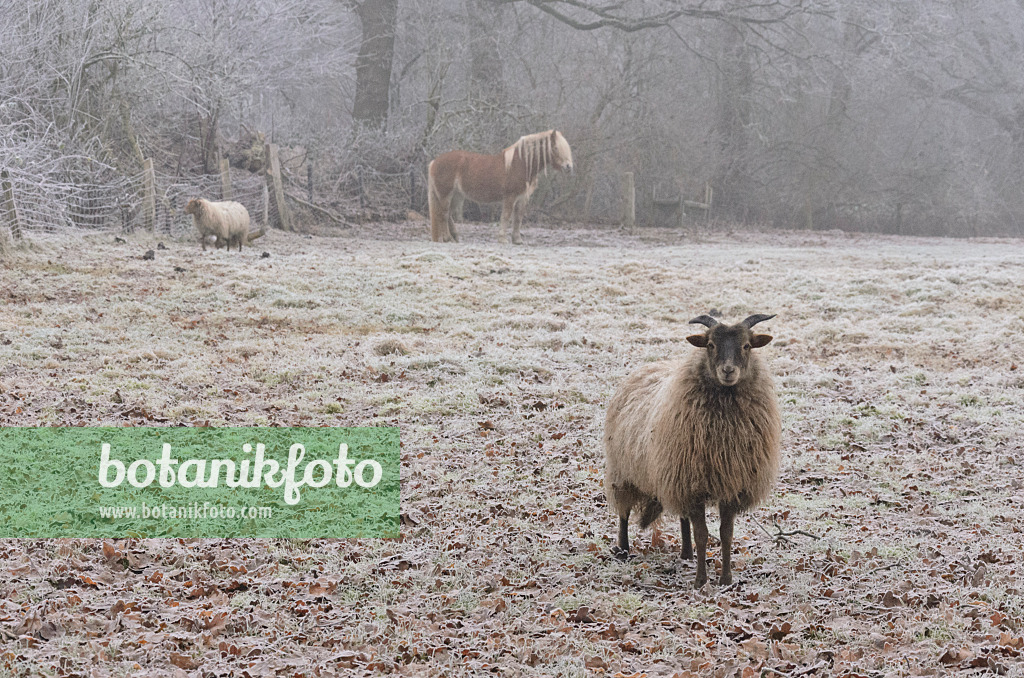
(438, 219)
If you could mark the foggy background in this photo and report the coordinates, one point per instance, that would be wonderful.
(893, 117)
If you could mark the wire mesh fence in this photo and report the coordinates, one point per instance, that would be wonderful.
(375, 194)
(48, 203)
(388, 196)
(173, 194)
(53, 200)
(33, 202)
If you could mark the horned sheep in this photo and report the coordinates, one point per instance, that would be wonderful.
(228, 220)
(682, 434)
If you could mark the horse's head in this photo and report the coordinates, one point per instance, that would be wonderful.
(561, 154)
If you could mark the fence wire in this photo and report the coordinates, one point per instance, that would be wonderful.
(48, 203)
(385, 195)
(173, 193)
(53, 199)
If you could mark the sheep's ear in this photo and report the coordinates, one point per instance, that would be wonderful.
(759, 340)
(700, 340)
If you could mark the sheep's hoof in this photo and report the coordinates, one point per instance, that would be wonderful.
(516, 240)
(701, 578)
(620, 553)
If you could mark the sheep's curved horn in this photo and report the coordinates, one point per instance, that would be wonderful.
(757, 318)
(705, 320)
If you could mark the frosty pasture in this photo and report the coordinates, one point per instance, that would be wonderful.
(896, 364)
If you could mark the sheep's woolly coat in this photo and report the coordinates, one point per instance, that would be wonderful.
(675, 436)
(228, 220)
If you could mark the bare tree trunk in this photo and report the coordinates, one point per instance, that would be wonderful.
(486, 70)
(820, 177)
(374, 62)
(733, 180)
(434, 100)
(208, 139)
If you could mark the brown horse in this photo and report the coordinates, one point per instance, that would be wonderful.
(508, 177)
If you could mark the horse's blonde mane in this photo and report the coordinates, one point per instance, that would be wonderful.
(537, 151)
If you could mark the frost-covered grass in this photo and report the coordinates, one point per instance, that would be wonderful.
(896, 367)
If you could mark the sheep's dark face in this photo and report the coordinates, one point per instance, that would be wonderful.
(728, 349)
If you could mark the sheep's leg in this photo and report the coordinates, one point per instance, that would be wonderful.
(622, 550)
(684, 536)
(700, 545)
(727, 511)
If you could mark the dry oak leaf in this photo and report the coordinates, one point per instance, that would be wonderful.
(183, 661)
(30, 625)
(583, 615)
(778, 632)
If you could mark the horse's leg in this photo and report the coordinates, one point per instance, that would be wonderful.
(455, 211)
(437, 213)
(517, 220)
(508, 207)
(456, 208)
(444, 218)
(439, 206)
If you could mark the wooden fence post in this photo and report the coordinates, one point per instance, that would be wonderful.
(588, 201)
(412, 188)
(9, 207)
(266, 206)
(362, 187)
(629, 215)
(277, 188)
(309, 178)
(262, 230)
(148, 195)
(225, 179)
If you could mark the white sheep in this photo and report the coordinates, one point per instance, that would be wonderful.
(227, 220)
(682, 434)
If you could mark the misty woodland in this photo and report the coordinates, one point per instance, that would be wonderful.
(616, 271)
(895, 117)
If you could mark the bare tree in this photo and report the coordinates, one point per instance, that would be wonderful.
(374, 62)
(901, 117)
